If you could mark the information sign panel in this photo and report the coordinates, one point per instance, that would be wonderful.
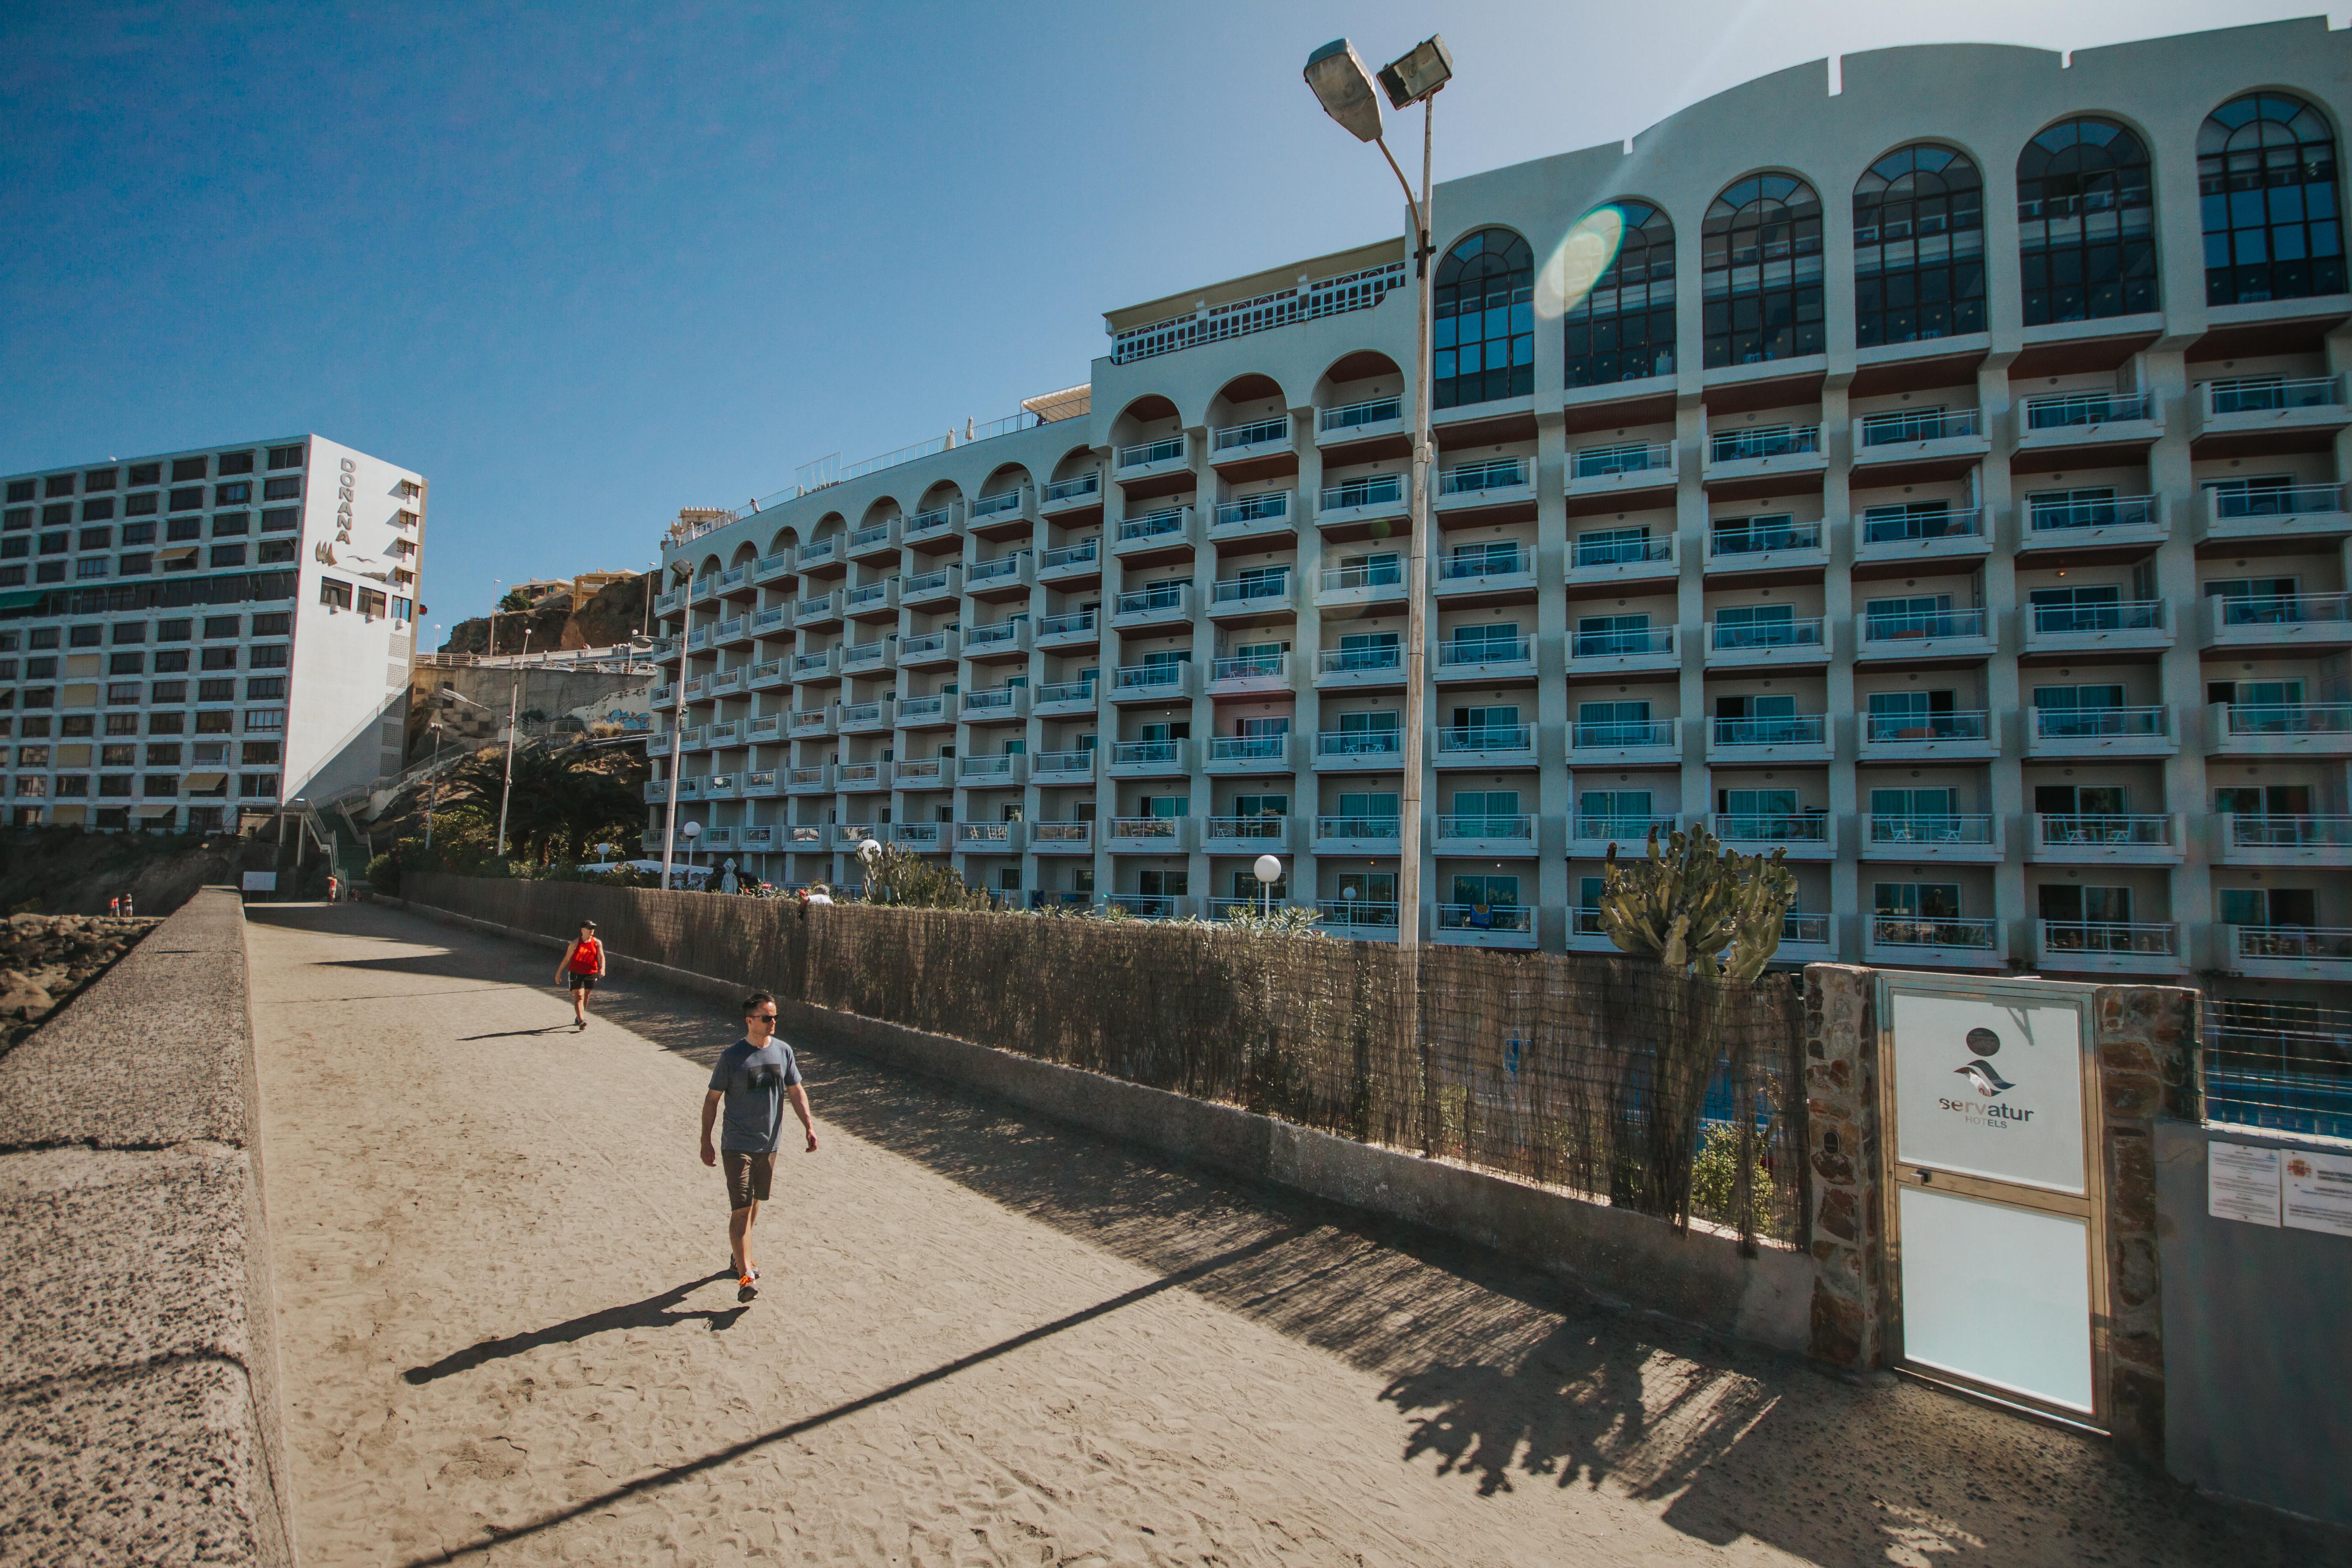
(1991, 1087)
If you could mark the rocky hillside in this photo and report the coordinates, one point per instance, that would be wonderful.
(612, 615)
(45, 959)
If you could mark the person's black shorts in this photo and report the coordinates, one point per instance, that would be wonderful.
(580, 982)
(749, 1176)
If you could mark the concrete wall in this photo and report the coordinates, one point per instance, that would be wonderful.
(2258, 1375)
(139, 1388)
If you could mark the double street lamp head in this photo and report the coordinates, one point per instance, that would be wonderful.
(1343, 83)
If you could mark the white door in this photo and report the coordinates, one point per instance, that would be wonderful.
(1994, 1239)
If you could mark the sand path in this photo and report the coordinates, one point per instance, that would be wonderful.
(989, 1339)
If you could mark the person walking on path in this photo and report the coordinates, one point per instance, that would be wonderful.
(334, 885)
(582, 967)
(752, 1079)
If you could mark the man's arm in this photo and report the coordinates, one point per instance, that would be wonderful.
(563, 964)
(801, 1109)
(710, 1115)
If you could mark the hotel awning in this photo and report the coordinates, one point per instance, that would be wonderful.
(158, 807)
(205, 781)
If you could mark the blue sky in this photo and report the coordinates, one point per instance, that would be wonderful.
(583, 265)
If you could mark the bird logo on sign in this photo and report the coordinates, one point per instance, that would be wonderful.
(1980, 1072)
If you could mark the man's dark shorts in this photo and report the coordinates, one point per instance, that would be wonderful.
(580, 982)
(748, 1177)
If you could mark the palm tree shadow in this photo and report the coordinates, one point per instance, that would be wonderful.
(653, 1312)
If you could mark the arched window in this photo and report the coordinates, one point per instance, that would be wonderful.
(1486, 320)
(2086, 218)
(2266, 180)
(1624, 329)
(1761, 271)
(1918, 247)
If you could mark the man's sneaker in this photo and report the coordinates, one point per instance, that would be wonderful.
(747, 1288)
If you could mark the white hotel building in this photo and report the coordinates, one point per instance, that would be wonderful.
(1945, 483)
(192, 636)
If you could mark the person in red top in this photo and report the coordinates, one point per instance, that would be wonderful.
(583, 966)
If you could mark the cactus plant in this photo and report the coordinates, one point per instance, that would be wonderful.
(1697, 907)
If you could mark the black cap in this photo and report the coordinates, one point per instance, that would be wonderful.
(590, 925)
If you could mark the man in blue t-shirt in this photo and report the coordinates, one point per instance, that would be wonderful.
(753, 1078)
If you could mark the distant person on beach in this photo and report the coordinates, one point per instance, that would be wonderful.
(753, 1078)
(583, 966)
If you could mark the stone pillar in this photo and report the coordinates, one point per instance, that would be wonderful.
(1841, 1164)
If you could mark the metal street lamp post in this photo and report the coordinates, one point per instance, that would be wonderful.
(1269, 872)
(1343, 84)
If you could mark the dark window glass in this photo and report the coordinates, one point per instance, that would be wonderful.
(128, 632)
(274, 624)
(15, 549)
(184, 528)
(281, 490)
(188, 499)
(60, 512)
(2085, 222)
(285, 457)
(42, 636)
(97, 538)
(2266, 190)
(167, 724)
(1623, 328)
(233, 495)
(20, 489)
(55, 543)
(126, 664)
(235, 463)
(171, 661)
(60, 484)
(228, 554)
(16, 517)
(267, 686)
(172, 631)
(214, 692)
(138, 564)
(49, 572)
(98, 480)
(139, 533)
(277, 518)
(187, 469)
(274, 551)
(1485, 345)
(231, 524)
(1761, 273)
(85, 637)
(139, 506)
(220, 625)
(146, 473)
(337, 596)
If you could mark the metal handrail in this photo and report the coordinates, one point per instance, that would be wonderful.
(1151, 524)
(1904, 931)
(1485, 916)
(1086, 550)
(1485, 564)
(2067, 409)
(2265, 830)
(1388, 574)
(1903, 426)
(1772, 827)
(1066, 691)
(1153, 451)
(1273, 584)
(1250, 666)
(1604, 645)
(1489, 474)
(1921, 624)
(2281, 500)
(1370, 912)
(1002, 501)
(2058, 723)
(1261, 507)
(1359, 743)
(2111, 511)
(1485, 738)
(2270, 396)
(1625, 457)
(2057, 830)
(1083, 485)
(2124, 616)
(1378, 490)
(1486, 650)
(1374, 827)
(1256, 432)
(1482, 825)
(1773, 730)
(1930, 828)
(1969, 725)
(1618, 552)
(2289, 718)
(1780, 534)
(1896, 525)
(2108, 936)
(2283, 609)
(1600, 735)
(1373, 411)
(1766, 441)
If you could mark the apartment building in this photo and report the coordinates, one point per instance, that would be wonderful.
(191, 637)
(1931, 466)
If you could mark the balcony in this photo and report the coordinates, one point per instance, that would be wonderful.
(864, 718)
(2115, 523)
(665, 696)
(706, 587)
(720, 787)
(1358, 835)
(1073, 494)
(1071, 564)
(1608, 479)
(1359, 751)
(1005, 511)
(1000, 769)
(2107, 947)
(1480, 925)
(1930, 439)
(1250, 674)
(1156, 535)
(726, 680)
(1923, 537)
(1906, 941)
(875, 542)
(1062, 837)
(1757, 545)
(859, 775)
(1607, 557)
(920, 772)
(1251, 595)
(735, 630)
(824, 553)
(864, 656)
(698, 638)
(1805, 835)
(1357, 920)
(1063, 699)
(770, 568)
(1006, 576)
(2100, 732)
(2288, 624)
(2285, 953)
(1483, 575)
(1613, 652)
(995, 705)
(871, 601)
(1506, 835)
(1588, 838)
(1361, 587)
(998, 639)
(809, 722)
(2132, 626)
(760, 837)
(1917, 635)
(1766, 645)
(767, 727)
(1149, 758)
(2261, 406)
(820, 611)
(1257, 835)
(1156, 605)
(1169, 682)
(1379, 665)
(1486, 658)
(2105, 839)
(1150, 459)
(1489, 485)
(1486, 746)
(2266, 839)
(1250, 443)
(1622, 742)
(1961, 839)
(1074, 628)
(1761, 455)
(1062, 767)
(1266, 515)
(1774, 737)
(926, 649)
(1149, 835)
(1916, 736)
(1249, 754)
(939, 523)
(716, 838)
(1149, 906)
(669, 603)
(803, 838)
(815, 779)
(1356, 504)
(923, 712)
(923, 837)
(772, 619)
(1372, 419)
(823, 665)
(2230, 517)
(934, 587)
(2279, 730)
(2065, 422)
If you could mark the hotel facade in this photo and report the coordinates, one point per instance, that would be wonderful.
(192, 637)
(1942, 480)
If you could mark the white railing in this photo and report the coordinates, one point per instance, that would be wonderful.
(923, 643)
(2110, 512)
(1931, 828)
(1456, 740)
(1609, 734)
(2266, 395)
(1358, 661)
(878, 536)
(1146, 677)
(1083, 552)
(1380, 489)
(2281, 500)
(1604, 552)
(1628, 830)
(1366, 912)
(990, 700)
(1625, 457)
(1250, 666)
(1473, 564)
(2280, 831)
(2082, 723)
(1352, 415)
(1517, 919)
(1159, 598)
(818, 551)
(2107, 936)
(1256, 433)
(1904, 427)
(1306, 302)
(1774, 828)
(1766, 441)
(1485, 650)
(1764, 634)
(2290, 942)
(860, 714)
(2061, 830)
(2281, 610)
(1147, 828)
(1359, 743)
(863, 653)
(1143, 453)
(1002, 501)
(1266, 506)
(1145, 754)
(1086, 484)
(1814, 929)
(1491, 474)
(1921, 626)
(1065, 623)
(1153, 524)
(917, 769)
(996, 632)
(1259, 828)
(931, 521)
(1908, 930)
(1389, 575)
(1618, 643)
(1071, 833)
(979, 571)
(1358, 827)
(925, 583)
(1760, 537)
(2071, 409)
(1773, 730)
(1889, 728)
(1066, 691)
(2124, 616)
(1079, 761)
(2288, 718)
(1273, 585)
(1482, 825)
(1248, 748)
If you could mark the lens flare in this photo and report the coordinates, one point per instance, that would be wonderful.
(1583, 256)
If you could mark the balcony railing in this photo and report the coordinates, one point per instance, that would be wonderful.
(1758, 538)
(1274, 585)
(1630, 457)
(2292, 941)
(992, 700)
(977, 573)
(2107, 936)
(1158, 599)
(1068, 834)
(1066, 691)
(1152, 524)
(2114, 511)
(874, 538)
(1066, 625)
(2076, 723)
(2279, 831)
(1930, 829)
(2126, 615)
(1604, 552)
(1145, 754)
(2284, 610)
(1764, 634)
(2070, 409)
(1079, 761)
(1905, 429)
(1776, 441)
(998, 765)
(1248, 829)
(1921, 626)
(816, 552)
(1266, 505)
(1473, 564)
(1477, 826)
(1382, 574)
(1462, 652)
(1358, 661)
(1147, 828)
(1814, 929)
(1485, 738)
(1635, 830)
(1357, 912)
(1607, 735)
(1617, 644)
(937, 520)
(1374, 827)
(1493, 474)
(860, 714)
(1359, 743)
(2267, 396)
(1892, 526)
(1146, 677)
(1514, 918)
(1887, 729)
(2098, 829)
(923, 643)
(1256, 433)
(1085, 553)
(1001, 502)
(924, 582)
(1143, 906)
(996, 632)
(858, 654)
(1143, 453)
(1380, 489)
(2289, 718)
(1348, 416)
(1775, 827)
(1250, 666)
(2281, 500)
(1775, 730)
(1248, 748)
(917, 771)
(1908, 930)
(1087, 484)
